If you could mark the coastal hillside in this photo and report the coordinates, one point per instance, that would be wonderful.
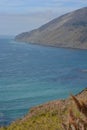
(56, 115)
(69, 30)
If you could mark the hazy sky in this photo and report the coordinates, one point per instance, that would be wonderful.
(17, 16)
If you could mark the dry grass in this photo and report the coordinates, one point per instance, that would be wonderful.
(77, 123)
(69, 114)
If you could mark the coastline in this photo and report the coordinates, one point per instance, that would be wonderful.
(50, 45)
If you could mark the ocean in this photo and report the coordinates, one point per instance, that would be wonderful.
(32, 74)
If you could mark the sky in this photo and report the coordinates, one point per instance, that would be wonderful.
(18, 16)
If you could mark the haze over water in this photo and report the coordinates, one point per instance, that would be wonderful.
(31, 75)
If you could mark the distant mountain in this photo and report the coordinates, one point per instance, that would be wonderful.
(69, 30)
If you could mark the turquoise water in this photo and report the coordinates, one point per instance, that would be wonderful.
(32, 74)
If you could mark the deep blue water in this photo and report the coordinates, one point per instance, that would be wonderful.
(32, 74)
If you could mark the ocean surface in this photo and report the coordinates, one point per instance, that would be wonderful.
(31, 75)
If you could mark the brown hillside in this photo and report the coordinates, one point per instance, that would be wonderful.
(69, 30)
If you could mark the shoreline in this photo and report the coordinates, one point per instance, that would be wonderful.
(49, 45)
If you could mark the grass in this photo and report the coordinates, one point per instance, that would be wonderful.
(69, 114)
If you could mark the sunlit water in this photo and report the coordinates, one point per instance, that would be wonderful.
(31, 75)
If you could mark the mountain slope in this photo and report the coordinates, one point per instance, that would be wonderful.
(69, 30)
(50, 116)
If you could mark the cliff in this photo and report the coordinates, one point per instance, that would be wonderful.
(69, 30)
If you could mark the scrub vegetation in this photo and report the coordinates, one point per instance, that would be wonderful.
(69, 114)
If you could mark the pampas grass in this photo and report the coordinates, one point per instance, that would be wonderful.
(77, 123)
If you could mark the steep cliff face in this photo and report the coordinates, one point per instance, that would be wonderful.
(69, 30)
